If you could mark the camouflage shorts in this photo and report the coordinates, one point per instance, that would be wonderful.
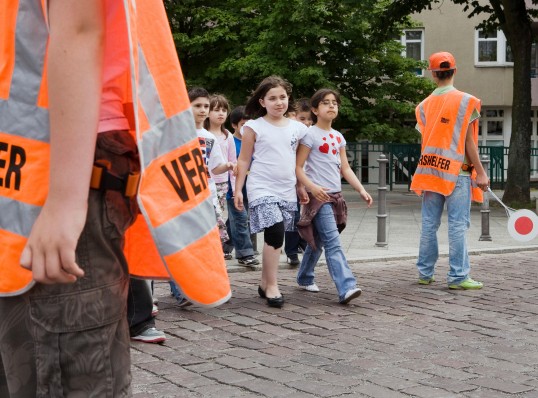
(73, 340)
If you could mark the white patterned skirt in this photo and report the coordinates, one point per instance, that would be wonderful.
(270, 210)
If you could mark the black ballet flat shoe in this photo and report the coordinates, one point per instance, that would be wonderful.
(276, 302)
(261, 292)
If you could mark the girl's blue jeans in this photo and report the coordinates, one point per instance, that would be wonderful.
(458, 205)
(327, 237)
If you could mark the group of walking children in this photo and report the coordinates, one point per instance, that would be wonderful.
(219, 147)
(286, 160)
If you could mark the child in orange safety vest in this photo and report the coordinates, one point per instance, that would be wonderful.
(449, 172)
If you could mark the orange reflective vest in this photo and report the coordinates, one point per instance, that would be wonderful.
(443, 121)
(173, 194)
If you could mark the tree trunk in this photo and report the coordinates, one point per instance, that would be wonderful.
(518, 31)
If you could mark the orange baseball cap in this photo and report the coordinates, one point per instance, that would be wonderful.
(442, 61)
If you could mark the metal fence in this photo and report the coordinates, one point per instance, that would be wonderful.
(403, 159)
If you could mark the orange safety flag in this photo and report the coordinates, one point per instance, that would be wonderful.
(177, 236)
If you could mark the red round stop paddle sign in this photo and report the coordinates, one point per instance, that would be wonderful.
(523, 225)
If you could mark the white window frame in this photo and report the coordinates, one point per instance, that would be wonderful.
(486, 138)
(502, 43)
(404, 41)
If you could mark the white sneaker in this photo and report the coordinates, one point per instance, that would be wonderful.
(350, 295)
(310, 288)
(150, 335)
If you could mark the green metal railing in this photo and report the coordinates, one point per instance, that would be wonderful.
(403, 159)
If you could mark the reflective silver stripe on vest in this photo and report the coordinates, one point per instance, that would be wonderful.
(29, 52)
(456, 134)
(164, 134)
(24, 120)
(19, 115)
(437, 173)
(172, 236)
(17, 217)
(422, 113)
(148, 94)
(446, 153)
(167, 136)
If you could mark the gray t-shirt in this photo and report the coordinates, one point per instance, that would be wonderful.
(272, 171)
(323, 163)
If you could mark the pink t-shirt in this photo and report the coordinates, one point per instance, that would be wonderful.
(227, 148)
(116, 69)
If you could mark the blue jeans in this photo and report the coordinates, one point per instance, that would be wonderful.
(458, 207)
(327, 237)
(240, 234)
(293, 241)
(175, 291)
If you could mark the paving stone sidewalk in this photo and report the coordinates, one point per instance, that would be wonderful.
(399, 339)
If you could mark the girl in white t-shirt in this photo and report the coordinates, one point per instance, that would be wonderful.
(218, 112)
(269, 147)
(324, 216)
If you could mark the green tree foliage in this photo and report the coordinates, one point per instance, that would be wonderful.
(229, 46)
(514, 17)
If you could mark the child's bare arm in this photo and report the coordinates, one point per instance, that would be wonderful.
(243, 163)
(74, 82)
(351, 178)
(222, 168)
(320, 193)
(471, 151)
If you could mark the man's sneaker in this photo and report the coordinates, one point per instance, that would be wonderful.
(426, 281)
(310, 288)
(350, 295)
(154, 311)
(228, 256)
(150, 335)
(467, 284)
(293, 259)
(248, 260)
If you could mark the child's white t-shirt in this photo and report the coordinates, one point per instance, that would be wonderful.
(272, 171)
(323, 164)
(227, 147)
(212, 156)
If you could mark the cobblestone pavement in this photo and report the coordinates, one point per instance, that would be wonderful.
(399, 339)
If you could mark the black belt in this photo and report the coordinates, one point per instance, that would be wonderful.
(103, 180)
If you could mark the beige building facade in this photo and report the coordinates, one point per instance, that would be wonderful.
(484, 62)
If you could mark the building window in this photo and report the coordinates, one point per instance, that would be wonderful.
(492, 127)
(492, 49)
(495, 127)
(413, 42)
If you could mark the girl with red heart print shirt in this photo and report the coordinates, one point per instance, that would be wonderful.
(323, 217)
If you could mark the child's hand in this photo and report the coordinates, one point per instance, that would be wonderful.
(320, 193)
(234, 169)
(366, 197)
(303, 195)
(50, 252)
(238, 201)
